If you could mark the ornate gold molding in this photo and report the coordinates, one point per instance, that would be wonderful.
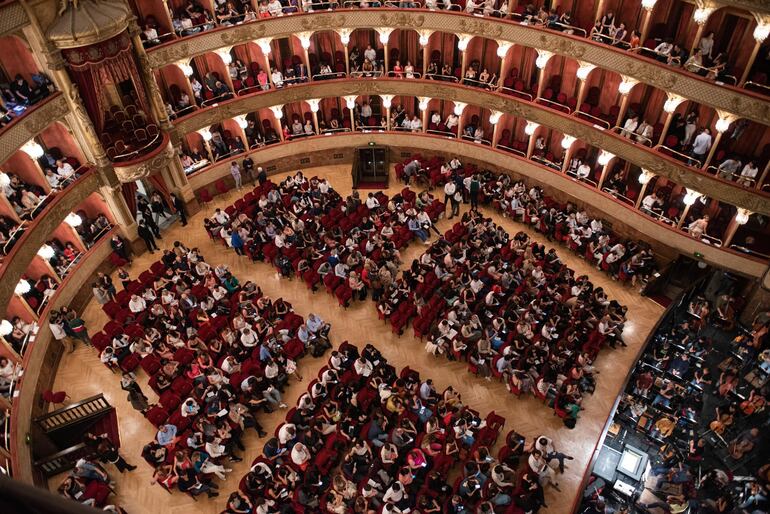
(753, 6)
(582, 193)
(148, 164)
(33, 238)
(31, 124)
(12, 18)
(644, 70)
(642, 156)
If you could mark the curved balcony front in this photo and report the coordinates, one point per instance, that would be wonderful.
(643, 69)
(31, 123)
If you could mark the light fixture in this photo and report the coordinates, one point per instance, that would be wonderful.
(22, 287)
(502, 48)
(424, 101)
(277, 111)
(205, 134)
(723, 124)
(690, 197)
(761, 31)
(701, 14)
(46, 252)
(424, 37)
(384, 34)
(264, 45)
(34, 150)
(531, 128)
(626, 86)
(459, 108)
(5, 180)
(73, 220)
(462, 42)
(314, 104)
(567, 141)
(350, 102)
(5, 328)
(304, 39)
(543, 56)
(648, 4)
(584, 71)
(645, 177)
(742, 216)
(672, 103)
(225, 55)
(604, 158)
(344, 36)
(186, 69)
(494, 117)
(386, 100)
(242, 121)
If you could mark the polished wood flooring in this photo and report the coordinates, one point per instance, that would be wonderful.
(82, 375)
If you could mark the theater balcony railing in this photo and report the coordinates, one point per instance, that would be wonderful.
(30, 123)
(748, 104)
(644, 157)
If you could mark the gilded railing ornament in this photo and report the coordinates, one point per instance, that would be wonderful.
(480, 27)
(401, 20)
(252, 31)
(145, 168)
(323, 22)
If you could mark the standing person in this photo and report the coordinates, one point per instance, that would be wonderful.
(180, 208)
(261, 175)
(146, 234)
(77, 328)
(237, 242)
(449, 192)
(106, 282)
(120, 247)
(124, 278)
(101, 296)
(235, 171)
(106, 451)
(57, 325)
(159, 208)
(701, 146)
(135, 395)
(456, 201)
(248, 167)
(474, 192)
(147, 215)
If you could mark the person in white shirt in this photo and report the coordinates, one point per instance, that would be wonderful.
(277, 77)
(435, 118)
(363, 367)
(748, 174)
(728, 168)
(372, 202)
(137, 304)
(366, 111)
(701, 145)
(416, 124)
(650, 202)
(629, 127)
(248, 337)
(221, 217)
(451, 121)
(300, 455)
(64, 169)
(583, 171)
(287, 433)
(370, 53)
(275, 8)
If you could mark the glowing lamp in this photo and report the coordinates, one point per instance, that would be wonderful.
(34, 150)
(386, 100)
(264, 45)
(701, 14)
(225, 55)
(22, 287)
(495, 117)
(73, 220)
(723, 124)
(584, 71)
(542, 59)
(502, 49)
(625, 87)
(304, 40)
(205, 134)
(742, 216)
(314, 104)
(672, 103)
(424, 38)
(424, 103)
(690, 197)
(459, 108)
(648, 4)
(186, 69)
(277, 111)
(604, 158)
(462, 43)
(241, 121)
(531, 128)
(5, 328)
(5, 180)
(645, 177)
(384, 35)
(46, 252)
(761, 32)
(567, 141)
(350, 102)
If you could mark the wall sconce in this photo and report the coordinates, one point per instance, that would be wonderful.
(761, 31)
(241, 121)
(34, 150)
(459, 108)
(187, 70)
(205, 134)
(543, 56)
(626, 86)
(5, 328)
(648, 4)
(5, 180)
(494, 117)
(742, 216)
(344, 36)
(350, 102)
(691, 196)
(277, 111)
(645, 177)
(384, 35)
(604, 158)
(224, 54)
(502, 48)
(701, 15)
(22, 287)
(386, 100)
(264, 45)
(423, 102)
(46, 252)
(567, 141)
(314, 104)
(531, 128)
(304, 39)
(672, 103)
(463, 40)
(723, 123)
(424, 37)
(584, 71)
(73, 220)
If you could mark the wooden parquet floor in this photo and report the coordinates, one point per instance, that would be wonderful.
(82, 375)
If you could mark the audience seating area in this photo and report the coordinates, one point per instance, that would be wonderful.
(127, 132)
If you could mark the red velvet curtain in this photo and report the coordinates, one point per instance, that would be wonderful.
(129, 194)
(159, 184)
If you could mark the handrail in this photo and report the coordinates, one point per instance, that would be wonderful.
(12, 236)
(634, 137)
(73, 413)
(248, 89)
(617, 194)
(445, 133)
(546, 162)
(480, 83)
(741, 248)
(757, 84)
(329, 132)
(516, 92)
(366, 74)
(710, 239)
(734, 177)
(61, 461)
(184, 111)
(28, 109)
(29, 338)
(581, 179)
(557, 105)
(689, 160)
(403, 75)
(138, 151)
(326, 76)
(211, 24)
(511, 149)
(597, 121)
(442, 78)
(371, 128)
(216, 99)
(478, 141)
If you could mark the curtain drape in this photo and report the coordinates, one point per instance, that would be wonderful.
(159, 184)
(129, 194)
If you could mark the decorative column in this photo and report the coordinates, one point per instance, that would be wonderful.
(350, 103)
(304, 40)
(624, 88)
(113, 195)
(530, 130)
(424, 40)
(761, 31)
(150, 85)
(604, 160)
(741, 218)
(314, 104)
(543, 56)
(345, 39)
(763, 176)
(384, 37)
(669, 107)
(205, 133)
(723, 123)
(386, 102)
(458, 110)
(512, 6)
(701, 16)
(494, 118)
(227, 58)
(264, 46)
(502, 53)
(278, 113)
(462, 46)
(566, 143)
(648, 6)
(35, 152)
(424, 103)
(583, 71)
(644, 179)
(599, 11)
(689, 199)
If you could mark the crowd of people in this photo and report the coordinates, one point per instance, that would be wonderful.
(698, 398)
(365, 439)
(218, 353)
